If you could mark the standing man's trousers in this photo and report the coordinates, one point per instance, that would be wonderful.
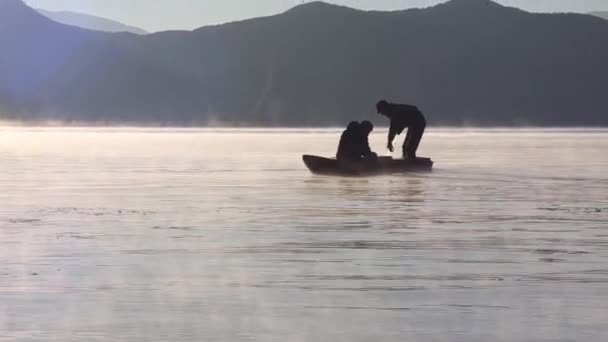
(412, 140)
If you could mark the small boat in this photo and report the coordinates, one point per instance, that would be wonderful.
(384, 165)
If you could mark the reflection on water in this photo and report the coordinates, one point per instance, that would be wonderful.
(180, 235)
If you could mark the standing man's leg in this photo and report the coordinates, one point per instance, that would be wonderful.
(414, 136)
(406, 142)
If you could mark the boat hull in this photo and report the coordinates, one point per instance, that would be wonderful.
(384, 165)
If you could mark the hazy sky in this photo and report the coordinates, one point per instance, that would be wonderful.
(156, 15)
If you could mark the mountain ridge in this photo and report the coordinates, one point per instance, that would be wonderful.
(600, 14)
(90, 22)
(312, 66)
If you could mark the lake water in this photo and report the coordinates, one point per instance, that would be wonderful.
(223, 235)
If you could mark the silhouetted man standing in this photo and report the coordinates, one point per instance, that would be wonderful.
(404, 116)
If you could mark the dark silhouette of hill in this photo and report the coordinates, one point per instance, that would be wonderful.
(465, 61)
(90, 22)
(600, 14)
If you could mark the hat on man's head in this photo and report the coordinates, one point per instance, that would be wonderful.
(381, 104)
(367, 126)
(353, 125)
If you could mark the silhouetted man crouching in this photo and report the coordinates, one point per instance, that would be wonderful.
(366, 152)
(354, 143)
(404, 116)
(349, 146)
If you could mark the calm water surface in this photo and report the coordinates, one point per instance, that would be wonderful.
(223, 235)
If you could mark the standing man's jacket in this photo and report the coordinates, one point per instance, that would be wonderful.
(403, 116)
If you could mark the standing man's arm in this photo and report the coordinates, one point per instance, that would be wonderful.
(392, 133)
